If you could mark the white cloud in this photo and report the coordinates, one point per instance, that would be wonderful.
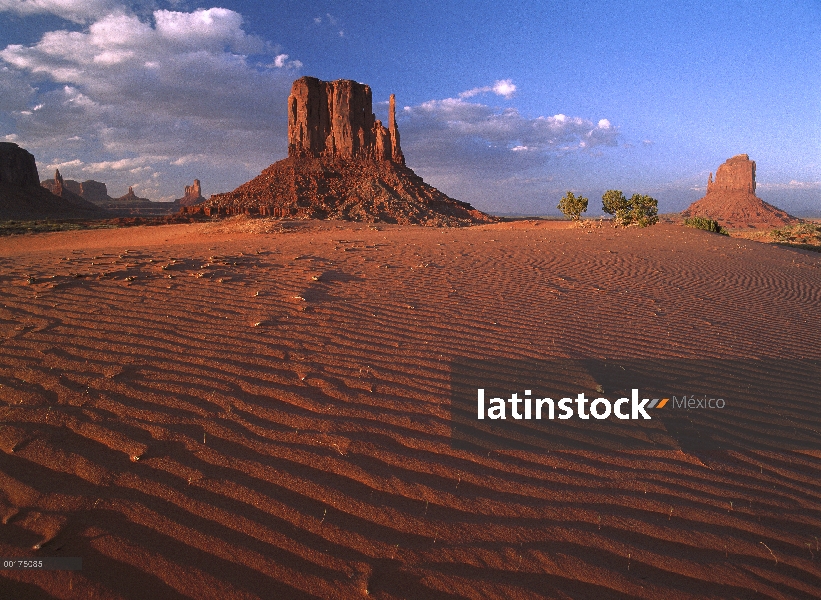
(68, 164)
(281, 62)
(503, 87)
(792, 185)
(190, 158)
(124, 164)
(498, 158)
(331, 23)
(185, 84)
(453, 120)
(79, 11)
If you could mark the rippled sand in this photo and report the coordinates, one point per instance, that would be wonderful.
(256, 409)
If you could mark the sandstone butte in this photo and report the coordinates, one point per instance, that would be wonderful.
(731, 199)
(128, 205)
(93, 191)
(131, 198)
(342, 163)
(193, 195)
(22, 196)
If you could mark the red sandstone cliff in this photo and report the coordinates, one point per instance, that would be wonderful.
(335, 119)
(193, 195)
(342, 164)
(22, 197)
(93, 191)
(731, 199)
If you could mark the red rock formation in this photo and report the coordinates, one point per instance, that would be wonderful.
(334, 119)
(193, 195)
(131, 197)
(342, 164)
(731, 199)
(396, 150)
(67, 189)
(22, 197)
(93, 191)
(59, 185)
(349, 189)
(17, 166)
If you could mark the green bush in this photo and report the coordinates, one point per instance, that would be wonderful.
(639, 210)
(801, 233)
(705, 224)
(614, 203)
(644, 210)
(572, 206)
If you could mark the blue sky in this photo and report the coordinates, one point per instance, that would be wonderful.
(504, 105)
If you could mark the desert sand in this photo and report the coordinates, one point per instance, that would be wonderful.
(259, 409)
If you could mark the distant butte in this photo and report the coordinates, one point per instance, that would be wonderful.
(22, 196)
(342, 163)
(193, 195)
(93, 191)
(731, 199)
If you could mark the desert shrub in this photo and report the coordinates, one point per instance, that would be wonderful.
(802, 233)
(614, 203)
(572, 206)
(639, 210)
(644, 210)
(705, 224)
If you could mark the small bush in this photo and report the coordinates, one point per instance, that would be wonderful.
(572, 206)
(639, 210)
(644, 210)
(614, 203)
(801, 233)
(706, 225)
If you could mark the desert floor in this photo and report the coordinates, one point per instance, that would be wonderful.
(256, 409)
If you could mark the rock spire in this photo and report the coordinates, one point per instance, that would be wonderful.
(193, 195)
(342, 164)
(22, 197)
(335, 119)
(731, 199)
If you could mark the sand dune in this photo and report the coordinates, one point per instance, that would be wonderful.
(256, 409)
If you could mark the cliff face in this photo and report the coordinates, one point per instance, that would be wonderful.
(93, 191)
(731, 199)
(17, 166)
(22, 197)
(193, 195)
(334, 119)
(342, 164)
(737, 174)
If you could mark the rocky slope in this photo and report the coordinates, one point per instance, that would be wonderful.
(731, 199)
(342, 164)
(22, 197)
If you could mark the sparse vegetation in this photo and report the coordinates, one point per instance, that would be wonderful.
(802, 233)
(14, 227)
(639, 209)
(644, 210)
(805, 235)
(572, 206)
(614, 203)
(706, 225)
(17, 227)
